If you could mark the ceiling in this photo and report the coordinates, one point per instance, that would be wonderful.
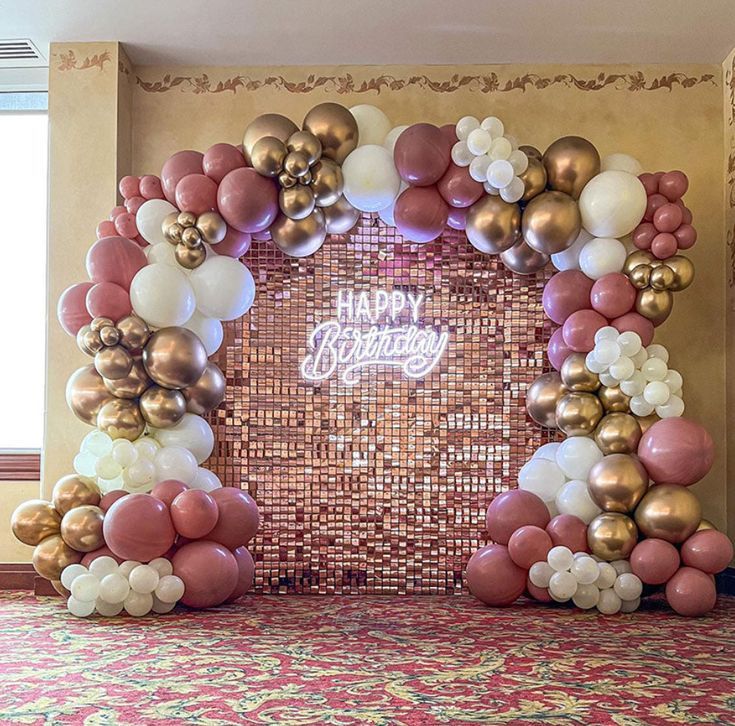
(301, 32)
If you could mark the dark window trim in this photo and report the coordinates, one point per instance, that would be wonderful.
(20, 465)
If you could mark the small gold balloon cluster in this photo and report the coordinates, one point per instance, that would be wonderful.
(63, 530)
(188, 232)
(656, 281)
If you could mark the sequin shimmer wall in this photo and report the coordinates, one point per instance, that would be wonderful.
(380, 487)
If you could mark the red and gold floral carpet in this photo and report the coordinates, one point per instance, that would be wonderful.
(366, 660)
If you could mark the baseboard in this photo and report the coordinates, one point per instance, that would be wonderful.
(726, 581)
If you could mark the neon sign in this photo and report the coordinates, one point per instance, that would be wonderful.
(379, 328)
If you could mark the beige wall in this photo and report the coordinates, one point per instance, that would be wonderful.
(13, 494)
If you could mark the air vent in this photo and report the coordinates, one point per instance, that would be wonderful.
(20, 53)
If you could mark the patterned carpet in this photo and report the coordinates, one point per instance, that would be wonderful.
(359, 660)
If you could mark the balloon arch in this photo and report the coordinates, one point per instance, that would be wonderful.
(601, 518)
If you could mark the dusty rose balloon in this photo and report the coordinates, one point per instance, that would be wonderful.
(71, 309)
(420, 214)
(246, 573)
(707, 550)
(493, 577)
(238, 517)
(168, 490)
(685, 236)
(569, 531)
(235, 244)
(248, 201)
(458, 188)
(129, 186)
(580, 328)
(422, 154)
(196, 193)
(664, 245)
(691, 592)
(176, 168)
(194, 513)
(209, 571)
(117, 211)
(111, 497)
(558, 351)
(668, 217)
(115, 259)
(125, 225)
(635, 323)
(650, 182)
(514, 509)
(108, 300)
(655, 201)
(613, 295)
(677, 451)
(90, 557)
(457, 218)
(150, 187)
(538, 593)
(449, 132)
(643, 235)
(134, 204)
(138, 527)
(566, 293)
(654, 561)
(529, 544)
(220, 159)
(105, 228)
(673, 185)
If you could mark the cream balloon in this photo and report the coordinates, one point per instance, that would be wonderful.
(601, 256)
(208, 330)
(372, 124)
(161, 252)
(569, 259)
(622, 162)
(149, 220)
(224, 288)
(192, 432)
(175, 462)
(162, 295)
(371, 178)
(392, 136)
(574, 498)
(206, 480)
(612, 204)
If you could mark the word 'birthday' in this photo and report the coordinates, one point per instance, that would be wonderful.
(394, 337)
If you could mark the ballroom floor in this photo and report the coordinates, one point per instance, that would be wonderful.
(379, 661)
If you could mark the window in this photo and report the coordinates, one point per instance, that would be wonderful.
(23, 185)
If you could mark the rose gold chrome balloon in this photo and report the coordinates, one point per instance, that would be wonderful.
(212, 227)
(576, 376)
(670, 512)
(542, 398)
(336, 129)
(618, 433)
(162, 407)
(327, 182)
(52, 555)
(570, 163)
(133, 384)
(577, 414)
(523, 260)
(121, 419)
(268, 124)
(74, 491)
(551, 222)
(617, 483)
(612, 536)
(302, 237)
(174, 357)
(268, 155)
(493, 226)
(86, 394)
(207, 393)
(113, 363)
(134, 332)
(534, 179)
(35, 520)
(81, 528)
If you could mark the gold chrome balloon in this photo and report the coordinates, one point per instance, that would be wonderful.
(327, 182)
(336, 129)
(211, 227)
(551, 222)
(493, 226)
(570, 163)
(81, 528)
(612, 536)
(617, 482)
(121, 419)
(52, 555)
(618, 433)
(86, 394)
(655, 305)
(307, 143)
(207, 393)
(109, 336)
(34, 520)
(98, 323)
(340, 217)
(645, 422)
(113, 363)
(268, 155)
(190, 257)
(640, 276)
(56, 584)
(268, 124)
(534, 179)
(186, 219)
(74, 491)
(523, 260)
(296, 164)
(531, 151)
(705, 524)
(613, 400)
(542, 398)
(299, 237)
(662, 277)
(577, 414)
(286, 180)
(297, 202)
(89, 341)
(162, 407)
(576, 376)
(670, 512)
(191, 238)
(174, 357)
(133, 384)
(639, 257)
(171, 228)
(683, 270)
(134, 332)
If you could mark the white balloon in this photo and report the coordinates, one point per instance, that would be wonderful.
(612, 204)
(607, 352)
(224, 288)
(593, 364)
(629, 342)
(657, 393)
(143, 579)
(576, 455)
(85, 588)
(560, 558)
(542, 478)
(609, 603)
(654, 369)
(192, 432)
(206, 480)
(208, 330)
(392, 136)
(124, 453)
(607, 575)
(162, 566)
(574, 498)
(127, 567)
(465, 126)
(500, 173)
(149, 220)
(478, 141)
(622, 162)
(673, 380)
(562, 586)
(140, 473)
(146, 446)
(85, 464)
(387, 215)
(634, 385)
(655, 350)
(97, 443)
(107, 468)
(461, 155)
(569, 258)
(371, 181)
(540, 574)
(372, 124)
(621, 566)
(138, 604)
(513, 192)
(70, 573)
(494, 125)
(162, 253)
(607, 380)
(672, 408)
(170, 588)
(108, 609)
(640, 407)
(101, 566)
(161, 608)
(175, 462)
(519, 160)
(500, 150)
(585, 570)
(622, 369)
(607, 332)
(629, 606)
(162, 295)
(547, 451)
(586, 597)
(80, 608)
(114, 588)
(601, 256)
(478, 168)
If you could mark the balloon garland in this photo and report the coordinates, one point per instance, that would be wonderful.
(141, 525)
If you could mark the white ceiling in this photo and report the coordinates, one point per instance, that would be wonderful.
(298, 32)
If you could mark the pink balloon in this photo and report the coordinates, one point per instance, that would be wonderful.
(643, 235)
(111, 497)
(150, 187)
(449, 132)
(129, 186)
(686, 212)
(514, 509)
(71, 309)
(420, 214)
(235, 244)
(493, 577)
(613, 295)
(125, 225)
(108, 300)
(209, 571)
(117, 211)
(566, 293)
(676, 451)
(529, 544)
(458, 188)
(168, 490)
(194, 513)
(106, 228)
(246, 573)
(667, 217)
(176, 168)
(247, 200)
(708, 550)
(686, 236)
(220, 159)
(238, 517)
(422, 154)
(569, 531)
(654, 202)
(558, 351)
(635, 323)
(115, 259)
(580, 328)
(650, 183)
(90, 557)
(134, 204)
(664, 245)
(538, 593)
(196, 193)
(673, 185)
(138, 527)
(654, 561)
(457, 218)
(691, 592)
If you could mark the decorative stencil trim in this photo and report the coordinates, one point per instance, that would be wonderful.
(68, 61)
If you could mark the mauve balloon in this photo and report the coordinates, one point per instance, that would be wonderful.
(650, 182)
(569, 531)
(108, 300)
(194, 513)
(580, 328)
(668, 217)
(90, 557)
(686, 236)
(111, 497)
(613, 295)
(196, 193)
(150, 187)
(565, 293)
(654, 202)
(558, 351)
(129, 186)
(238, 517)
(106, 228)
(529, 544)
(72, 307)
(248, 201)
(209, 571)
(458, 188)
(422, 154)
(246, 573)
(457, 218)
(235, 244)
(664, 245)
(176, 168)
(673, 185)
(514, 509)
(538, 593)
(643, 235)
(635, 323)
(691, 592)
(168, 489)
(493, 577)
(654, 561)
(220, 159)
(420, 214)
(115, 259)
(709, 550)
